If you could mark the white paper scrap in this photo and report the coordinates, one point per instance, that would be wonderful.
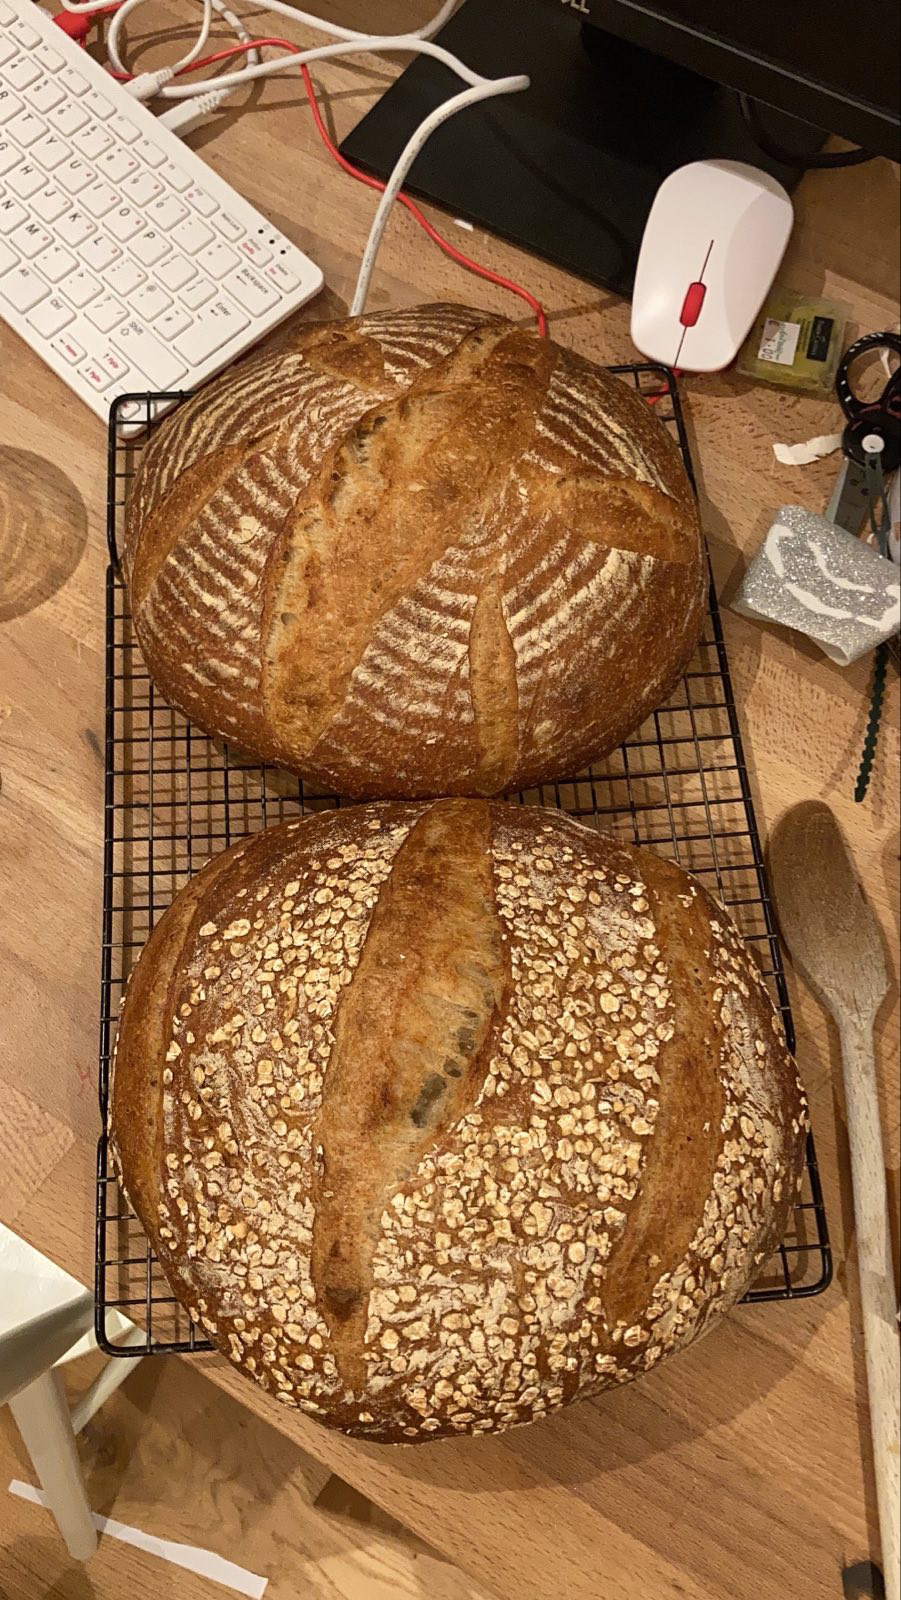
(801, 455)
(204, 1562)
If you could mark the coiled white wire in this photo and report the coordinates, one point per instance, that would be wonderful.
(348, 41)
(209, 7)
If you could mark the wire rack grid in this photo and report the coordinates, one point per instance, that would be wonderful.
(173, 797)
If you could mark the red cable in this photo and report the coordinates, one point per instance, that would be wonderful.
(415, 211)
(364, 177)
(660, 394)
(374, 183)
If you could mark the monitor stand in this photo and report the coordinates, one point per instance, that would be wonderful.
(569, 168)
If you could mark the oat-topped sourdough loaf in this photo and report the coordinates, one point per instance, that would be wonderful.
(416, 553)
(442, 1116)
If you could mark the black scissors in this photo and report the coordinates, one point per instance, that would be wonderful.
(872, 426)
(871, 441)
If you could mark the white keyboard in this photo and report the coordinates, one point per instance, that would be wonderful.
(125, 262)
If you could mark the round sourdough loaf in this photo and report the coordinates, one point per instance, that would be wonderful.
(416, 553)
(442, 1116)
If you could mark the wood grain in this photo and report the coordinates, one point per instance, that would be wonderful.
(743, 1471)
(170, 1455)
(835, 940)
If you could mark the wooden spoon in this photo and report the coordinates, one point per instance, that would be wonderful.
(835, 941)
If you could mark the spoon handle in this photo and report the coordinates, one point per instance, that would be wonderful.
(877, 1286)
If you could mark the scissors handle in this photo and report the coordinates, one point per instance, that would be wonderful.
(890, 398)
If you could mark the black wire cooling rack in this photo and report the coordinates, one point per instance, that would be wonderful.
(174, 797)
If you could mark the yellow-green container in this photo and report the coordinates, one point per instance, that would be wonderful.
(797, 341)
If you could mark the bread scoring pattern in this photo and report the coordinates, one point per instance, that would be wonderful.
(461, 1112)
(416, 552)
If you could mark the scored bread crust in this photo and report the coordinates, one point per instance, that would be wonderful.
(414, 553)
(441, 1116)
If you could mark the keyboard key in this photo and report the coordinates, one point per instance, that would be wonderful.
(9, 105)
(21, 72)
(123, 129)
(130, 410)
(80, 288)
(96, 376)
(197, 294)
(191, 236)
(150, 247)
(251, 291)
(99, 252)
(172, 323)
(166, 213)
(50, 203)
(148, 302)
(68, 118)
(280, 277)
(257, 253)
(150, 154)
(114, 364)
(141, 188)
(30, 240)
(74, 175)
(69, 349)
(106, 313)
(50, 152)
(9, 50)
(11, 214)
(175, 177)
(44, 95)
(8, 258)
(143, 350)
(92, 141)
(124, 223)
(54, 263)
(217, 260)
(176, 273)
(116, 165)
(26, 129)
(99, 199)
(26, 35)
(230, 228)
(201, 202)
(73, 81)
(22, 288)
(125, 277)
(10, 156)
(210, 330)
(75, 227)
(49, 58)
(26, 180)
(51, 316)
(7, 14)
(98, 105)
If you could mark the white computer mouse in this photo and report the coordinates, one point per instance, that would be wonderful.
(711, 249)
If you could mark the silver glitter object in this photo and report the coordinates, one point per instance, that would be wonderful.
(813, 576)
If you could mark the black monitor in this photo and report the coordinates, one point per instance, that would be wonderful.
(624, 92)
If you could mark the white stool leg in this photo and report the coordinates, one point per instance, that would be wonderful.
(42, 1417)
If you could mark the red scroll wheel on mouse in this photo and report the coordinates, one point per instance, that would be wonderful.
(691, 307)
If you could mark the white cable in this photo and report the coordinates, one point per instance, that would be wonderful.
(348, 42)
(86, 7)
(326, 52)
(188, 114)
(125, 10)
(222, 10)
(459, 102)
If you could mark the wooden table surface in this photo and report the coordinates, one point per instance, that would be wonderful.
(741, 1468)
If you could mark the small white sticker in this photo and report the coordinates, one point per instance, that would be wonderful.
(779, 342)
